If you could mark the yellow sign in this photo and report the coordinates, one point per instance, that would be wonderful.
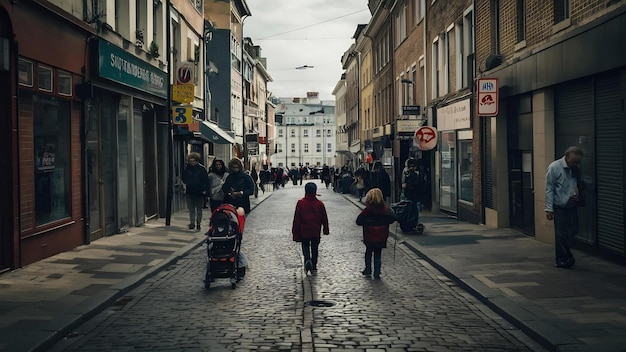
(183, 93)
(182, 115)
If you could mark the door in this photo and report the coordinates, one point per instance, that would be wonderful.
(6, 160)
(94, 175)
(150, 162)
(521, 188)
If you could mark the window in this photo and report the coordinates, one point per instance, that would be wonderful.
(318, 133)
(449, 50)
(305, 133)
(52, 158)
(420, 8)
(435, 68)
(293, 147)
(25, 73)
(466, 184)
(521, 20)
(318, 147)
(465, 50)
(279, 148)
(65, 83)
(496, 26)
(292, 132)
(329, 133)
(561, 10)
(45, 79)
(401, 25)
(329, 148)
(306, 147)
(280, 133)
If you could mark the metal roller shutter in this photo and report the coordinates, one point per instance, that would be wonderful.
(573, 125)
(609, 124)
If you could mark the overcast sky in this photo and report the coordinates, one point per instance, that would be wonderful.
(293, 33)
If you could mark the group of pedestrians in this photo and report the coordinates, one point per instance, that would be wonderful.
(220, 184)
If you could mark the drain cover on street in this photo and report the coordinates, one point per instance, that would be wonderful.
(321, 304)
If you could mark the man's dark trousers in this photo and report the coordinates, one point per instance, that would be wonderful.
(565, 228)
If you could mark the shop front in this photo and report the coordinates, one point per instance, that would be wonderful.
(127, 128)
(455, 164)
(41, 58)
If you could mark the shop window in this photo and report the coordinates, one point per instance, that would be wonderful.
(25, 73)
(45, 78)
(466, 188)
(65, 83)
(51, 120)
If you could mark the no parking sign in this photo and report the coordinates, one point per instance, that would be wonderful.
(426, 138)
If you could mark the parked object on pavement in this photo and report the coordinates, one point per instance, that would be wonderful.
(224, 245)
(407, 211)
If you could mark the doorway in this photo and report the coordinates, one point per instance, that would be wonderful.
(6, 156)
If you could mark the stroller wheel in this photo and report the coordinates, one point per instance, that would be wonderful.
(233, 282)
(233, 286)
(207, 284)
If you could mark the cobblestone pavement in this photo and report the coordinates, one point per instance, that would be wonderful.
(275, 307)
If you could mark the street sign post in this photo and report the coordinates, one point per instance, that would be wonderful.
(426, 138)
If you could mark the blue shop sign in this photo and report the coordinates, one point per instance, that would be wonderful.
(120, 66)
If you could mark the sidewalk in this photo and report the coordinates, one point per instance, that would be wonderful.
(578, 309)
(45, 301)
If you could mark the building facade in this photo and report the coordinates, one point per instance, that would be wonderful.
(305, 132)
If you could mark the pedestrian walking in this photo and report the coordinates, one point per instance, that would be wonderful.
(380, 179)
(217, 176)
(375, 219)
(309, 220)
(564, 187)
(196, 182)
(238, 186)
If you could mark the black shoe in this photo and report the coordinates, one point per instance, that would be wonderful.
(376, 276)
(562, 265)
(366, 273)
(198, 227)
(570, 262)
(191, 226)
(308, 266)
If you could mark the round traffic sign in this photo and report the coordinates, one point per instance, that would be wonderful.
(426, 138)
(184, 74)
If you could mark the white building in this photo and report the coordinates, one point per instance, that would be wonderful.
(305, 132)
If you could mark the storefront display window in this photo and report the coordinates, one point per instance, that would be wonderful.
(51, 119)
(466, 188)
(447, 146)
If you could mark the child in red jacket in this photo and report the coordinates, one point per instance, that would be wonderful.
(308, 221)
(375, 219)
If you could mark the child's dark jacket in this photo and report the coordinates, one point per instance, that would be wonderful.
(375, 221)
(309, 219)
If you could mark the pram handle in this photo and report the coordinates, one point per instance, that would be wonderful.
(221, 238)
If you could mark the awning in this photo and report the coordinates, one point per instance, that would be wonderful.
(215, 134)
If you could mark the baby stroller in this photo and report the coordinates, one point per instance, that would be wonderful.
(224, 245)
(408, 216)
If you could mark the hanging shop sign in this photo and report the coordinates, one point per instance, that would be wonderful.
(487, 96)
(182, 115)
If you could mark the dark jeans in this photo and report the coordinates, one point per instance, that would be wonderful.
(310, 250)
(565, 228)
(377, 259)
(195, 203)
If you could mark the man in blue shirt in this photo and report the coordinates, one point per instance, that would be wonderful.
(564, 183)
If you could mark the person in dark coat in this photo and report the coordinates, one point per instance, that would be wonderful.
(238, 186)
(375, 219)
(217, 175)
(380, 179)
(309, 220)
(196, 182)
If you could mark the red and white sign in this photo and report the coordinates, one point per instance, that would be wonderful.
(184, 73)
(426, 138)
(487, 96)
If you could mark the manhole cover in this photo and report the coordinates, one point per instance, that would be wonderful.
(321, 304)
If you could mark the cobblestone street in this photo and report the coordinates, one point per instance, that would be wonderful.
(274, 308)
